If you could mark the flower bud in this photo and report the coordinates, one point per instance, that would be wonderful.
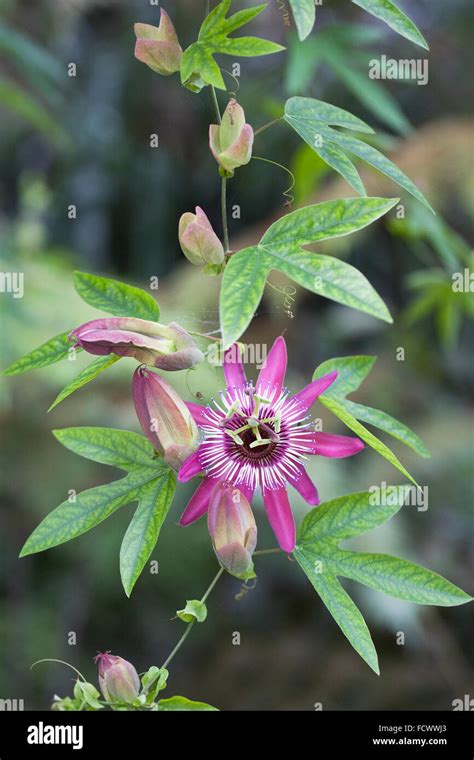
(231, 141)
(118, 679)
(198, 240)
(233, 530)
(167, 347)
(158, 46)
(164, 417)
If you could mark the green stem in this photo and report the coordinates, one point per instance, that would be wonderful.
(216, 578)
(266, 126)
(262, 552)
(215, 103)
(203, 335)
(190, 625)
(224, 214)
(179, 644)
(223, 181)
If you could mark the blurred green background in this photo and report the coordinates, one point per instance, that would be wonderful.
(85, 140)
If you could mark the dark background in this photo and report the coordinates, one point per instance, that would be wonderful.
(87, 143)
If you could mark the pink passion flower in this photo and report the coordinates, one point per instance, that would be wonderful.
(258, 438)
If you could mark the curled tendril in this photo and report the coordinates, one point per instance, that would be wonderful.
(287, 193)
(62, 662)
(198, 394)
(232, 93)
(289, 293)
(245, 588)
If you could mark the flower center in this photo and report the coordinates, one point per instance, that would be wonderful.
(264, 449)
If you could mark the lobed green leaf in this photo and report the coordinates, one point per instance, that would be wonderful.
(280, 248)
(318, 554)
(314, 120)
(198, 64)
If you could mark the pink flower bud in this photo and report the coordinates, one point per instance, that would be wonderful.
(167, 347)
(158, 46)
(198, 240)
(164, 417)
(233, 530)
(231, 141)
(118, 679)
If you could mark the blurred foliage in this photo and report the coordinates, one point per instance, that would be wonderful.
(128, 198)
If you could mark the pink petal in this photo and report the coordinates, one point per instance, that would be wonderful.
(308, 395)
(280, 517)
(198, 413)
(198, 502)
(191, 467)
(336, 446)
(273, 371)
(306, 488)
(234, 372)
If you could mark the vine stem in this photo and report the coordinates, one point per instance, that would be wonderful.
(266, 126)
(224, 214)
(203, 335)
(225, 229)
(215, 103)
(262, 552)
(190, 625)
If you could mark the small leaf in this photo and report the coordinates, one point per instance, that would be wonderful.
(388, 424)
(84, 377)
(119, 448)
(181, 703)
(348, 419)
(52, 351)
(345, 517)
(342, 608)
(86, 692)
(304, 13)
(242, 288)
(154, 681)
(194, 610)
(398, 578)
(73, 518)
(116, 297)
(394, 18)
(351, 372)
(144, 529)
(324, 221)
